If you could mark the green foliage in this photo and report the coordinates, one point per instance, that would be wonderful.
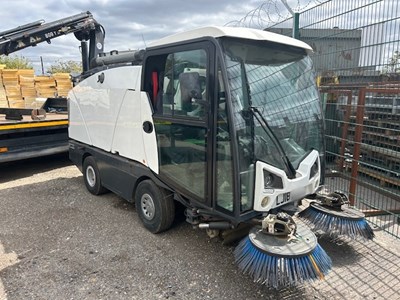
(393, 65)
(15, 62)
(65, 67)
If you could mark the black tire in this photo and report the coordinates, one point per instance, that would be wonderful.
(155, 206)
(91, 176)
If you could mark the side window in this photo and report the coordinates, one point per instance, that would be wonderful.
(184, 92)
(181, 97)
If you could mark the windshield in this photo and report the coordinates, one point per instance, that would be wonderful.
(276, 108)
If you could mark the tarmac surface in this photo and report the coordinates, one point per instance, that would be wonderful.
(57, 241)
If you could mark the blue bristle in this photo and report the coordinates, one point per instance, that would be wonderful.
(277, 271)
(336, 225)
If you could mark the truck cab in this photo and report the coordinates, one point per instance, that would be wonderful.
(225, 120)
(237, 119)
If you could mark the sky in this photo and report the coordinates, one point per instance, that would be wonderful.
(133, 24)
(129, 24)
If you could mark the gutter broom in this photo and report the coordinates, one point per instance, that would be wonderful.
(282, 253)
(331, 213)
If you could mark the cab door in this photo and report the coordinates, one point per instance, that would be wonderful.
(179, 84)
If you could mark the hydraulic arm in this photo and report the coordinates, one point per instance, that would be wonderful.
(84, 26)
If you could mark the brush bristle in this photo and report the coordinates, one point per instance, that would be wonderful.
(336, 225)
(277, 271)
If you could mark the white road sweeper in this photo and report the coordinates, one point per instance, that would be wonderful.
(225, 121)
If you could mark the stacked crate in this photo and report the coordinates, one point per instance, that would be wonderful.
(12, 88)
(3, 96)
(63, 83)
(45, 86)
(27, 84)
(21, 88)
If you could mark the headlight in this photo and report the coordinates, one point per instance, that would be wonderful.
(272, 181)
(265, 201)
(314, 169)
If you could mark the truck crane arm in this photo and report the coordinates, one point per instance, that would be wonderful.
(84, 26)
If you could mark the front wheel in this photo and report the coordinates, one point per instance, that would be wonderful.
(91, 176)
(155, 207)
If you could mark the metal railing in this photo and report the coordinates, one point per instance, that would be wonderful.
(363, 149)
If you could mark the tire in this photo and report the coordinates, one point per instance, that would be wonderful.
(91, 176)
(155, 207)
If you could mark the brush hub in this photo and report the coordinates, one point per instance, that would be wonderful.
(279, 224)
(302, 243)
(334, 200)
(344, 212)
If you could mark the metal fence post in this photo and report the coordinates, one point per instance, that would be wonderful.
(357, 145)
(345, 130)
(296, 22)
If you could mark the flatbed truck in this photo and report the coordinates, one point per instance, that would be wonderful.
(27, 133)
(30, 137)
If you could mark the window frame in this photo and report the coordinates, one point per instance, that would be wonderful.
(210, 48)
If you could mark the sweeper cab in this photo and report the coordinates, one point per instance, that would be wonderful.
(225, 121)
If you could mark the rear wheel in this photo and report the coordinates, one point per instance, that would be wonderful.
(91, 176)
(155, 207)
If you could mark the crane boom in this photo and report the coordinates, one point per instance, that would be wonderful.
(83, 25)
(46, 133)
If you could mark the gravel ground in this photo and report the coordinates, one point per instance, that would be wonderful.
(60, 242)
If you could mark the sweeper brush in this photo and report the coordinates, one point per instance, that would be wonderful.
(281, 253)
(331, 213)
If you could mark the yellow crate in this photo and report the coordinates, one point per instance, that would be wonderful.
(61, 75)
(4, 103)
(28, 90)
(9, 76)
(25, 80)
(9, 72)
(46, 92)
(19, 103)
(30, 102)
(26, 72)
(10, 81)
(13, 91)
(66, 84)
(44, 78)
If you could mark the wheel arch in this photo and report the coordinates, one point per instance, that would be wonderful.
(84, 156)
(92, 176)
(144, 177)
(138, 181)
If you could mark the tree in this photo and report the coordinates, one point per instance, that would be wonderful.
(393, 65)
(15, 62)
(65, 67)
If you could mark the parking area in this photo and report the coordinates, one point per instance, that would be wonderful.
(65, 243)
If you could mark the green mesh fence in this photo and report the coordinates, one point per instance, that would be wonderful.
(357, 62)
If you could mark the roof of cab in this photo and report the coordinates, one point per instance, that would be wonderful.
(238, 32)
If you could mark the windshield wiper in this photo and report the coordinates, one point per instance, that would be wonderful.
(290, 170)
